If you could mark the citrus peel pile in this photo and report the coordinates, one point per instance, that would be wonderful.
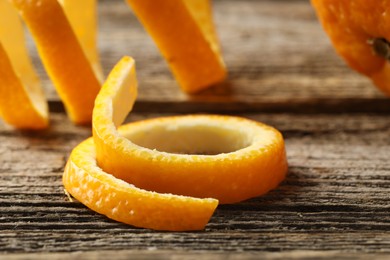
(169, 173)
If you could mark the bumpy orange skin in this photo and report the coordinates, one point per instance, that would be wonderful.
(351, 25)
(82, 16)
(230, 177)
(62, 56)
(137, 172)
(194, 61)
(251, 169)
(16, 107)
(126, 203)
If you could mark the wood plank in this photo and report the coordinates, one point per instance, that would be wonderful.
(336, 196)
(173, 254)
(278, 56)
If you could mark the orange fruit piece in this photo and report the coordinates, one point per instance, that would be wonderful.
(83, 19)
(246, 159)
(126, 203)
(227, 158)
(184, 32)
(62, 55)
(22, 101)
(360, 33)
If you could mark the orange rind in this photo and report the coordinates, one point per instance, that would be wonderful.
(22, 101)
(169, 173)
(184, 32)
(227, 158)
(62, 55)
(360, 33)
(126, 203)
(83, 19)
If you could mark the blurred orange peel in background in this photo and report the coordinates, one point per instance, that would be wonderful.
(169, 173)
(70, 58)
(360, 33)
(65, 35)
(22, 101)
(184, 32)
(62, 53)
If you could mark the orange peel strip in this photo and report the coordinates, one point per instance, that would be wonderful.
(83, 19)
(22, 101)
(62, 56)
(247, 158)
(184, 32)
(144, 187)
(126, 203)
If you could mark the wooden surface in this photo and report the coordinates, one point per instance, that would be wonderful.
(335, 202)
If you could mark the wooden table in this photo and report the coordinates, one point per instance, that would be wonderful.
(335, 201)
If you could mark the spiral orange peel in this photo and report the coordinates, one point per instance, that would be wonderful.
(83, 19)
(177, 167)
(22, 101)
(62, 54)
(184, 32)
(124, 202)
(65, 34)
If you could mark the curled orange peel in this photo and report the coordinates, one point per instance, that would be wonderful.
(62, 54)
(227, 158)
(176, 168)
(184, 32)
(65, 34)
(83, 19)
(22, 101)
(126, 203)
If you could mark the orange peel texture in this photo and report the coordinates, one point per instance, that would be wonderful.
(62, 55)
(227, 158)
(126, 203)
(184, 32)
(22, 101)
(137, 173)
(83, 19)
(353, 26)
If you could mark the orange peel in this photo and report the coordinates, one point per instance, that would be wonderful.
(359, 32)
(126, 203)
(62, 55)
(22, 101)
(138, 167)
(83, 19)
(184, 32)
(248, 157)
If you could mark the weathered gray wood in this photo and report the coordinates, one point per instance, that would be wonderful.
(161, 255)
(336, 196)
(277, 54)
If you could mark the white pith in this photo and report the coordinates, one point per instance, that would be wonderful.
(190, 135)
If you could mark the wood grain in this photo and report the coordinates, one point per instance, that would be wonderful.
(166, 254)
